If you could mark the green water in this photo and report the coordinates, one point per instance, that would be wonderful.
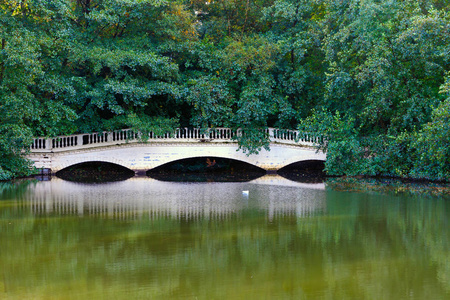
(146, 239)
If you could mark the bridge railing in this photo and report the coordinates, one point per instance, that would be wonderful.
(216, 135)
(75, 141)
(294, 136)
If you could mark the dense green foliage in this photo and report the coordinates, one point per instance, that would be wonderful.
(373, 76)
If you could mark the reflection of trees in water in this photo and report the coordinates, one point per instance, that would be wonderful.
(14, 189)
(388, 186)
(401, 233)
(362, 247)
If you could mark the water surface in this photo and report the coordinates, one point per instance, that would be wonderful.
(270, 238)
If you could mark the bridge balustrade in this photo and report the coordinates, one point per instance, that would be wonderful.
(123, 135)
(95, 138)
(296, 136)
(98, 139)
(64, 141)
(39, 143)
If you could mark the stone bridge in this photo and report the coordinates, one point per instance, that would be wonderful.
(128, 149)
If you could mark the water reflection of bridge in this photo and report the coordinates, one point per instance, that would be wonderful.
(141, 197)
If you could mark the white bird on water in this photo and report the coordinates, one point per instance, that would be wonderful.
(245, 193)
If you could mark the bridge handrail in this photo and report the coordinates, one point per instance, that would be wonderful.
(106, 138)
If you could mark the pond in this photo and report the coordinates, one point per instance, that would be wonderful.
(269, 238)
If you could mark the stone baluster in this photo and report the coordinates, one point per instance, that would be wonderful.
(271, 134)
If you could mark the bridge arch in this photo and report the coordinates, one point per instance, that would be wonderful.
(205, 162)
(202, 169)
(306, 171)
(95, 171)
(80, 160)
(309, 164)
(107, 163)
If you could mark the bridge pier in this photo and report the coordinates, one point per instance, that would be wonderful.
(44, 171)
(140, 172)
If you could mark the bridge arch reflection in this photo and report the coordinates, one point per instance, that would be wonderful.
(141, 197)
